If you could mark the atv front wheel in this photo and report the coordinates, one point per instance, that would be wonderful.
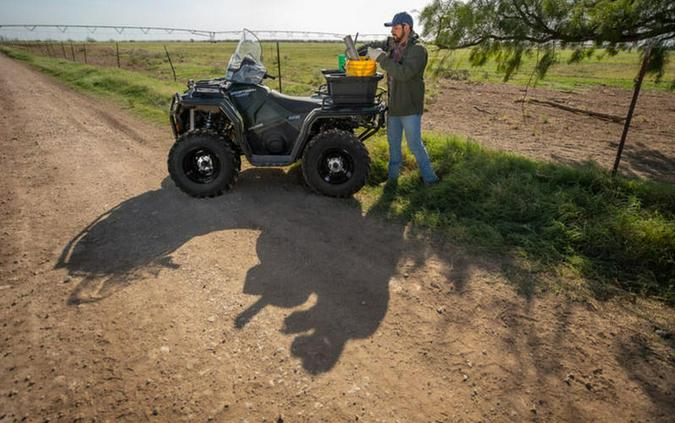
(202, 164)
(336, 163)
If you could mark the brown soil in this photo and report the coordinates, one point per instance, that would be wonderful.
(493, 115)
(123, 299)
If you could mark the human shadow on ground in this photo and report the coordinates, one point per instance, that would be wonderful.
(308, 245)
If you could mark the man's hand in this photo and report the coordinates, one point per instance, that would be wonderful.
(375, 53)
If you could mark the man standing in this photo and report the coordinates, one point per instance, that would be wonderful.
(405, 77)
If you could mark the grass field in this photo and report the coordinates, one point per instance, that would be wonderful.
(301, 64)
(577, 224)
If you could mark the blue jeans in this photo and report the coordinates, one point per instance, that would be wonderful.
(412, 125)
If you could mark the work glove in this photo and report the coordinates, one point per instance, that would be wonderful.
(375, 53)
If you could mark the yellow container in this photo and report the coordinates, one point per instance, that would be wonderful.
(362, 67)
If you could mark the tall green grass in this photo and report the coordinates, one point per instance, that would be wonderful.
(579, 222)
(613, 232)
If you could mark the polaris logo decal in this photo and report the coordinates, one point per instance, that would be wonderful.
(208, 90)
(294, 117)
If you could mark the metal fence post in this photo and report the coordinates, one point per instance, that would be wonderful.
(631, 108)
(170, 63)
(117, 46)
(84, 46)
(279, 66)
(72, 51)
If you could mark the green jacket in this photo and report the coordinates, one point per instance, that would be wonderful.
(406, 79)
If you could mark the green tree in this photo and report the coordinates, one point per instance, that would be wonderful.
(505, 30)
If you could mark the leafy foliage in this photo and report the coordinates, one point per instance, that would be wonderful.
(506, 29)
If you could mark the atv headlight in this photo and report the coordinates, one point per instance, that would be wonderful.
(174, 104)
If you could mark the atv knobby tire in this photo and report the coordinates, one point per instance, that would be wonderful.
(336, 163)
(203, 164)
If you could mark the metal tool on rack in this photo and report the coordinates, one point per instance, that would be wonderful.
(351, 52)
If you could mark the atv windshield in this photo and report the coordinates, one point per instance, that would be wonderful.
(246, 65)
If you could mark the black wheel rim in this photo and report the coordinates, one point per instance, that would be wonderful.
(336, 166)
(201, 165)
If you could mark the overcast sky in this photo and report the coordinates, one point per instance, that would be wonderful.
(339, 16)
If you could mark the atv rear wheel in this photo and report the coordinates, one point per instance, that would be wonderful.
(336, 163)
(203, 164)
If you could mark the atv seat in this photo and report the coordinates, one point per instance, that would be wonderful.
(298, 105)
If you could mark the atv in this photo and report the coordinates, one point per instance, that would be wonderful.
(217, 121)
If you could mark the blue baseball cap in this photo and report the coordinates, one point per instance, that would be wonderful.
(400, 19)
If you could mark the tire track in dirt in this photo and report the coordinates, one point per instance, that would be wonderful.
(124, 299)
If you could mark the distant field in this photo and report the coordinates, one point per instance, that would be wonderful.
(602, 69)
(301, 64)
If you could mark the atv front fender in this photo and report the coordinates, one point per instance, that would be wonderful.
(233, 115)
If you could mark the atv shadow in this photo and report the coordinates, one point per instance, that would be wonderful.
(309, 246)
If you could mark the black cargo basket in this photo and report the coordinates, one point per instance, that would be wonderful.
(345, 89)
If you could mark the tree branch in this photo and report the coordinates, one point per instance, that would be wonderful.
(542, 25)
(527, 22)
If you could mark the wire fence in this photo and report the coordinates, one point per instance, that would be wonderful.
(121, 55)
(164, 52)
(125, 54)
(181, 60)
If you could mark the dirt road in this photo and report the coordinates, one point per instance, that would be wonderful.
(123, 299)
